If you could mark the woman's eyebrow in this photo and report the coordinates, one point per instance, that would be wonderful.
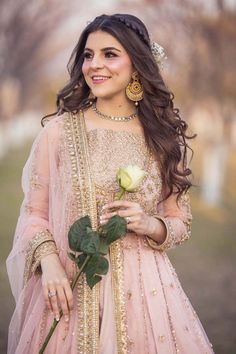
(110, 48)
(103, 49)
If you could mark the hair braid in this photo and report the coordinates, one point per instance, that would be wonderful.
(134, 26)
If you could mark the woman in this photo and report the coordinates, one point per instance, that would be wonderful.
(115, 111)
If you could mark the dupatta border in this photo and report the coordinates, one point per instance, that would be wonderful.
(84, 192)
(88, 300)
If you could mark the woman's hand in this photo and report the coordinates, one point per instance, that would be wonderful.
(56, 283)
(138, 221)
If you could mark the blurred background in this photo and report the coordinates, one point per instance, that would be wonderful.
(199, 37)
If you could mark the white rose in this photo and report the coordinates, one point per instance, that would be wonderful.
(130, 177)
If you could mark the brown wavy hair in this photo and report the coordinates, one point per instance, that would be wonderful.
(164, 130)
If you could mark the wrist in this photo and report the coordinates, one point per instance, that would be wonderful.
(52, 257)
(157, 230)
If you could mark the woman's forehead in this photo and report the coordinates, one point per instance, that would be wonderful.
(101, 39)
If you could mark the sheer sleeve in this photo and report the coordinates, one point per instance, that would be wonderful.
(177, 219)
(32, 229)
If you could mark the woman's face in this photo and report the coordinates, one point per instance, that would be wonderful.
(107, 68)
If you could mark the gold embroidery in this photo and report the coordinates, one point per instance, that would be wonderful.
(141, 290)
(185, 203)
(154, 291)
(119, 297)
(39, 238)
(169, 240)
(46, 248)
(129, 294)
(85, 198)
(161, 338)
(124, 148)
(167, 309)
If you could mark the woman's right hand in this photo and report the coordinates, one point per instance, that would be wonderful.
(55, 281)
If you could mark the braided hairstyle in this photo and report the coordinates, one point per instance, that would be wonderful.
(164, 130)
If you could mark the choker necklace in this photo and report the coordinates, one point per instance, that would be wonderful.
(117, 119)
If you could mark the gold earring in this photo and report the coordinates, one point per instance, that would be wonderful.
(134, 90)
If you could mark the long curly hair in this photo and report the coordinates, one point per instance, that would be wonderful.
(164, 130)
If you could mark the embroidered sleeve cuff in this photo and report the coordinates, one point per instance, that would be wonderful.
(169, 240)
(46, 248)
(40, 245)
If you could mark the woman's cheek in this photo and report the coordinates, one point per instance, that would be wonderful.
(117, 65)
(85, 68)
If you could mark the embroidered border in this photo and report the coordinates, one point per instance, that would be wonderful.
(88, 300)
(169, 241)
(39, 238)
(119, 297)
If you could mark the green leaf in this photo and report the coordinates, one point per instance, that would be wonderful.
(115, 228)
(97, 266)
(104, 247)
(93, 280)
(77, 231)
(80, 260)
(90, 242)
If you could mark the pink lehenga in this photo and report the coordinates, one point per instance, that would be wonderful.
(139, 306)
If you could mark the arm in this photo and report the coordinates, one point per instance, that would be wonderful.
(34, 249)
(176, 217)
(32, 228)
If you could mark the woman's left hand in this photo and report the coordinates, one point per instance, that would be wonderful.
(137, 220)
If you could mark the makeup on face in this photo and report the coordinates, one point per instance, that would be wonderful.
(107, 67)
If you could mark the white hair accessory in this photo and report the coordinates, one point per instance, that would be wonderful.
(158, 53)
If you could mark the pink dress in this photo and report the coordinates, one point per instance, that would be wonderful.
(157, 316)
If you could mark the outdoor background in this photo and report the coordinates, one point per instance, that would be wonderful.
(199, 37)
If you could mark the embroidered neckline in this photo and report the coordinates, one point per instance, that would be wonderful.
(96, 130)
(148, 159)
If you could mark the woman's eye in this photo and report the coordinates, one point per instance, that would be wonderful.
(110, 55)
(87, 55)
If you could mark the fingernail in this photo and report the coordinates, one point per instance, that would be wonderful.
(57, 318)
(67, 318)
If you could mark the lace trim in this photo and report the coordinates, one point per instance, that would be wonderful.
(39, 238)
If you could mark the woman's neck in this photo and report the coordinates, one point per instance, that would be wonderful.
(115, 107)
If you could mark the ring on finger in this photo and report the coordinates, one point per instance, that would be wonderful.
(128, 219)
(52, 293)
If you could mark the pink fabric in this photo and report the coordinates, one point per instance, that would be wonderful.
(152, 290)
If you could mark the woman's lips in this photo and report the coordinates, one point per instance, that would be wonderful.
(100, 79)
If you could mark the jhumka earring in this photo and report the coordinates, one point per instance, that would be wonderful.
(134, 90)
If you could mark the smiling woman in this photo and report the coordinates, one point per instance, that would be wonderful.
(107, 69)
(115, 111)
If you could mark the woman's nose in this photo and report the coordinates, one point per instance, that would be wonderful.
(96, 62)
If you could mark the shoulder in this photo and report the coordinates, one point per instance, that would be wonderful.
(54, 122)
(54, 125)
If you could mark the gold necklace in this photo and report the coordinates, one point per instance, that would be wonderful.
(116, 119)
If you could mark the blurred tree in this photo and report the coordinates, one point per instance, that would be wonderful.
(24, 27)
(199, 40)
